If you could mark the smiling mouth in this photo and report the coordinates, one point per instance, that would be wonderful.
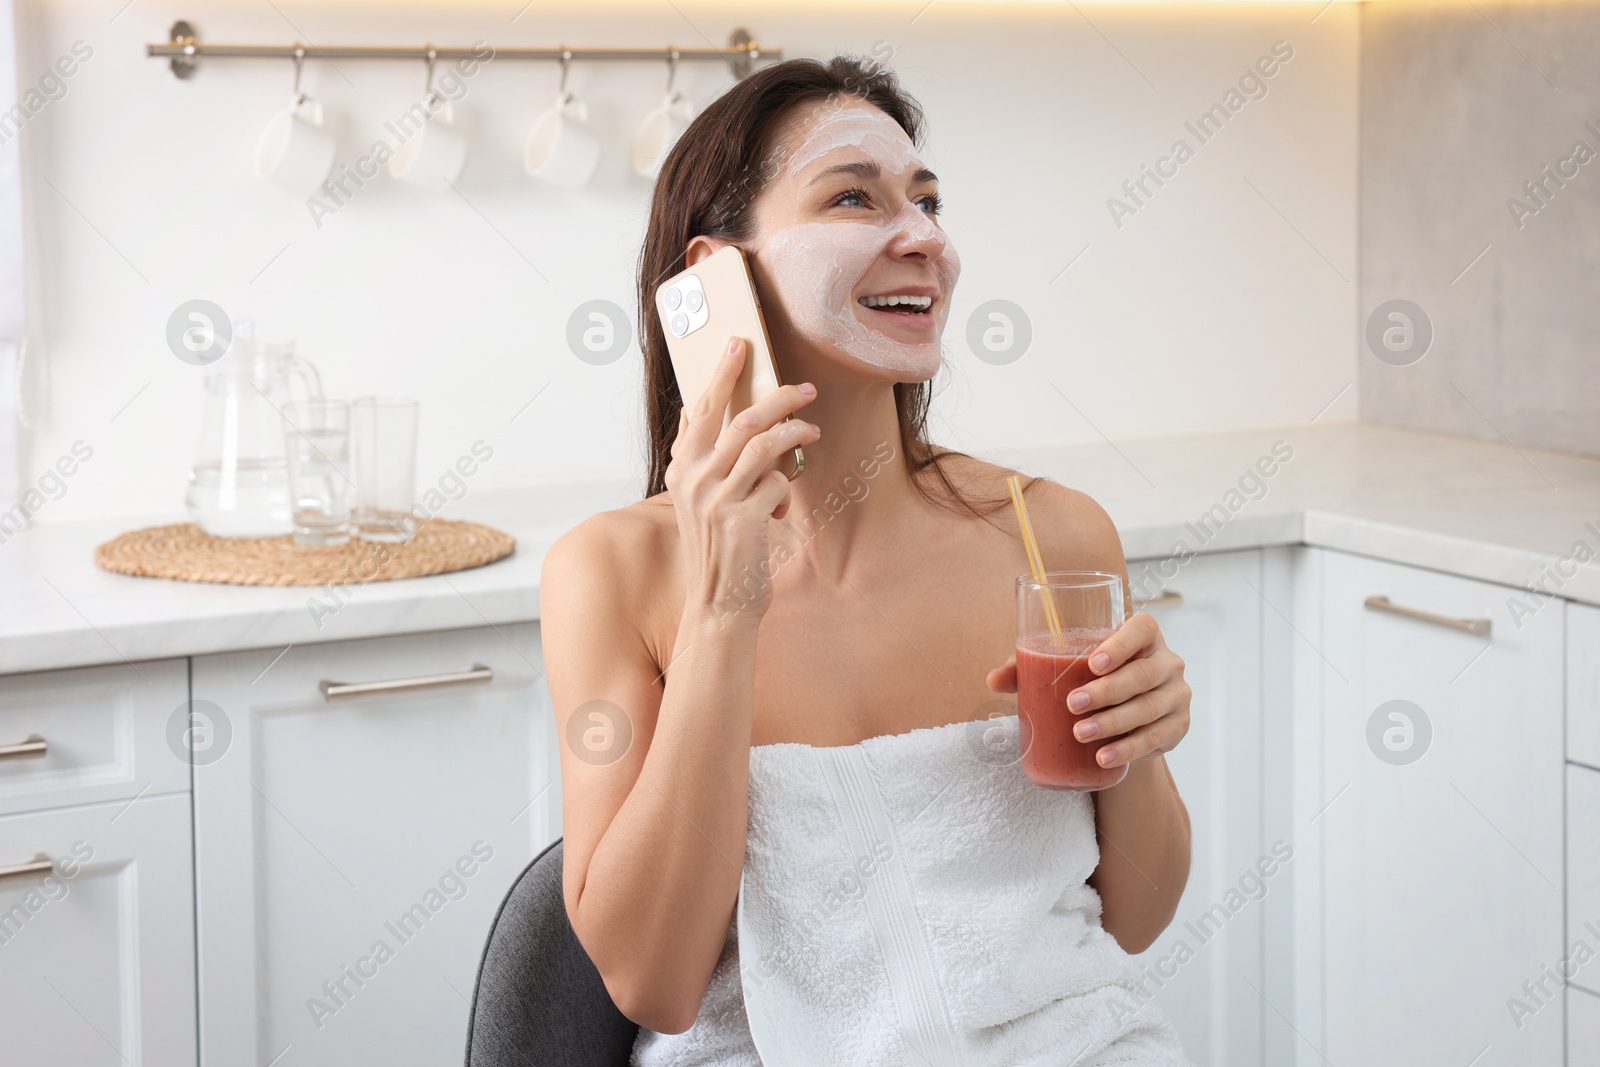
(898, 305)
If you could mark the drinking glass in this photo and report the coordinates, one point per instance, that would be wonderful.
(384, 440)
(1060, 621)
(317, 452)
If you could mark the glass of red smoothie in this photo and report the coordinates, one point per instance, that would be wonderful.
(1060, 621)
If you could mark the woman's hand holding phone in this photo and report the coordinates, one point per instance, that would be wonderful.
(724, 487)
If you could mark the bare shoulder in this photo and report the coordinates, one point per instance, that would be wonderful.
(609, 554)
(1079, 528)
(1074, 531)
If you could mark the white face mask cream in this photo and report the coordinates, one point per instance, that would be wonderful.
(865, 127)
(818, 267)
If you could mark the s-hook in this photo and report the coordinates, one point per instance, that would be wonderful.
(566, 65)
(672, 67)
(299, 61)
(427, 88)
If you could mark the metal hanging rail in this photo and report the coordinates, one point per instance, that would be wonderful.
(184, 50)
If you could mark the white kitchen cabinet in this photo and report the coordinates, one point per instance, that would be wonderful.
(1583, 872)
(102, 732)
(97, 951)
(351, 852)
(1202, 968)
(1583, 683)
(1583, 1028)
(1441, 820)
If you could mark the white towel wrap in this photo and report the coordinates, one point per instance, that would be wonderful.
(914, 900)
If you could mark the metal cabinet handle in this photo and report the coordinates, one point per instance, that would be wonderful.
(1167, 597)
(31, 748)
(39, 866)
(342, 690)
(1471, 626)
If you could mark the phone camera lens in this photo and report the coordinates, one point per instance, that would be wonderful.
(680, 324)
(694, 300)
(672, 298)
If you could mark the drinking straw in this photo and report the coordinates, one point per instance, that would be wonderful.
(1035, 560)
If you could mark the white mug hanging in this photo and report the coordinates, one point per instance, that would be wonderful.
(560, 148)
(295, 152)
(663, 125)
(433, 155)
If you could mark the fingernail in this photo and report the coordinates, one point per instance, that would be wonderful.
(1085, 730)
(733, 342)
(1078, 700)
(808, 389)
(1099, 661)
(1107, 756)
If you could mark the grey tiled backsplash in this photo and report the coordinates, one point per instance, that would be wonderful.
(1480, 205)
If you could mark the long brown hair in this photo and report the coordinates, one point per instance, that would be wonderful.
(707, 185)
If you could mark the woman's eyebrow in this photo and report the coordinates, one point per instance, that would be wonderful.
(867, 170)
(863, 168)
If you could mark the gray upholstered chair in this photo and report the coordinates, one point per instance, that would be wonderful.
(539, 1002)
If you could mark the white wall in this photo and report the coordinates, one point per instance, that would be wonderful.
(1207, 310)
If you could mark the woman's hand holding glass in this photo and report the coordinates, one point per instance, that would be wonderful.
(1139, 696)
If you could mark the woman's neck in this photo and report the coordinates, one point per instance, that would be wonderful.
(856, 486)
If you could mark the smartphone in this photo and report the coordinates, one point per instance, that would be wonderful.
(700, 309)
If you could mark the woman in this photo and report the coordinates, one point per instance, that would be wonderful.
(714, 644)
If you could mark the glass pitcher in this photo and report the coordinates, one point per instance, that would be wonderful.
(239, 486)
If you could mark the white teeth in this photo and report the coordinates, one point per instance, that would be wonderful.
(889, 301)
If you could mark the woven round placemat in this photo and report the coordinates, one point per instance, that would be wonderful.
(189, 554)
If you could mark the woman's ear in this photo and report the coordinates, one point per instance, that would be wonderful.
(701, 247)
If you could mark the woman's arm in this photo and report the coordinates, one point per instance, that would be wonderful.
(1141, 880)
(1141, 823)
(656, 755)
(654, 781)
(1140, 698)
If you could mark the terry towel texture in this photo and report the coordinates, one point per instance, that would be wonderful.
(914, 900)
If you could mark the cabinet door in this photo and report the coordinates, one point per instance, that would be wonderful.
(351, 852)
(97, 952)
(1583, 876)
(1583, 1028)
(104, 734)
(1583, 682)
(1442, 827)
(1199, 969)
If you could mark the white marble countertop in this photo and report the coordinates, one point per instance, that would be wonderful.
(1481, 510)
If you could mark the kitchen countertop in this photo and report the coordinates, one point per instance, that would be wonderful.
(1476, 509)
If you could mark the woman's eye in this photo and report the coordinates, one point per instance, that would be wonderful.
(851, 198)
(929, 203)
